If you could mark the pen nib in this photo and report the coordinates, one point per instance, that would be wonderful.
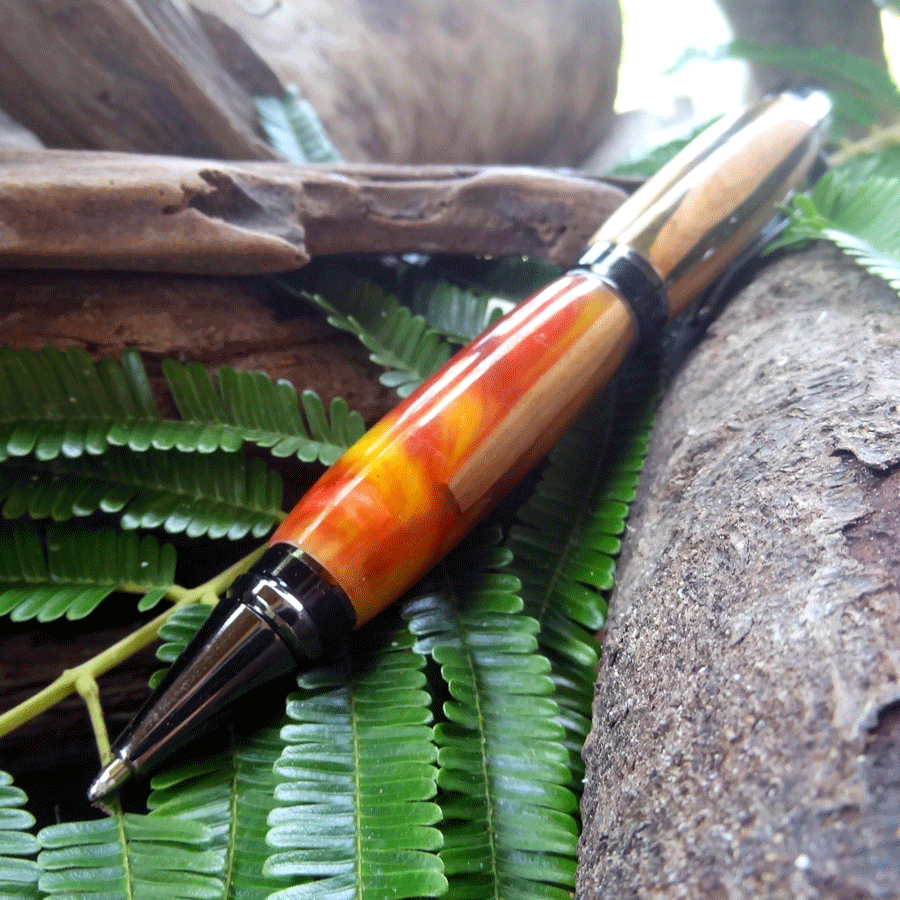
(111, 777)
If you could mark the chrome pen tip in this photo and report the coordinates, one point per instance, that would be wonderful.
(112, 776)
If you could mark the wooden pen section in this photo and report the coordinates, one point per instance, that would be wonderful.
(407, 492)
(403, 496)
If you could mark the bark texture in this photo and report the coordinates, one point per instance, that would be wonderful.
(170, 214)
(746, 736)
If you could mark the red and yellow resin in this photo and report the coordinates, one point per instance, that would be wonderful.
(401, 497)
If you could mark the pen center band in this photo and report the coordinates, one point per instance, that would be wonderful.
(291, 593)
(635, 280)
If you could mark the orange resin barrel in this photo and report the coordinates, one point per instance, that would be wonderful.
(401, 497)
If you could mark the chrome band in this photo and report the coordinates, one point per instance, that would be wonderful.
(284, 613)
(295, 596)
(639, 284)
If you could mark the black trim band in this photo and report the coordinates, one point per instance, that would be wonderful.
(291, 592)
(641, 287)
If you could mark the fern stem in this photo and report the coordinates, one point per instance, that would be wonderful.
(67, 682)
(92, 668)
(879, 139)
(89, 691)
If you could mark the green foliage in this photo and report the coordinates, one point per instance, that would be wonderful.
(400, 341)
(566, 538)
(59, 403)
(73, 570)
(458, 314)
(218, 494)
(861, 218)
(294, 129)
(19, 870)
(354, 815)
(134, 856)
(231, 793)
(509, 826)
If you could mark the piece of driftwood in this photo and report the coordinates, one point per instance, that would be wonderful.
(746, 737)
(135, 75)
(172, 214)
(427, 80)
(440, 80)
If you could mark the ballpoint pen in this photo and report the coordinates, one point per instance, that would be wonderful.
(401, 497)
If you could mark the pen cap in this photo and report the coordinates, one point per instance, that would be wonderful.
(692, 218)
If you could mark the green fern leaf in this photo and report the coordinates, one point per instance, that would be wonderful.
(510, 829)
(398, 340)
(231, 793)
(77, 570)
(216, 494)
(354, 818)
(459, 315)
(56, 403)
(18, 869)
(861, 218)
(249, 406)
(130, 856)
(294, 130)
(567, 537)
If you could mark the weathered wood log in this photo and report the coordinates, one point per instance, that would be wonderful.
(439, 81)
(746, 737)
(420, 81)
(171, 214)
(135, 75)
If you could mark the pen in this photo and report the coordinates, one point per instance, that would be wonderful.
(401, 497)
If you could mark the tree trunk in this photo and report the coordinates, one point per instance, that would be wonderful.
(746, 737)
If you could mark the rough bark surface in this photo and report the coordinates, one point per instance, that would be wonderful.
(170, 214)
(746, 737)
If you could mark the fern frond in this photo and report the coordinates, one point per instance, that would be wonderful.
(398, 340)
(510, 829)
(217, 494)
(231, 793)
(458, 314)
(565, 542)
(18, 869)
(861, 218)
(130, 856)
(55, 402)
(293, 128)
(77, 570)
(354, 818)
(249, 406)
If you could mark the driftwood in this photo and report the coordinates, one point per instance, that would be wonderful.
(472, 80)
(122, 75)
(746, 737)
(438, 81)
(169, 214)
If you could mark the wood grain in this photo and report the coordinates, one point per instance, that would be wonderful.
(130, 212)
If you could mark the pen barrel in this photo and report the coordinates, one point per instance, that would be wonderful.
(692, 218)
(415, 484)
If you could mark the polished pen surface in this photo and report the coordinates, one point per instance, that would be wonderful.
(398, 500)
